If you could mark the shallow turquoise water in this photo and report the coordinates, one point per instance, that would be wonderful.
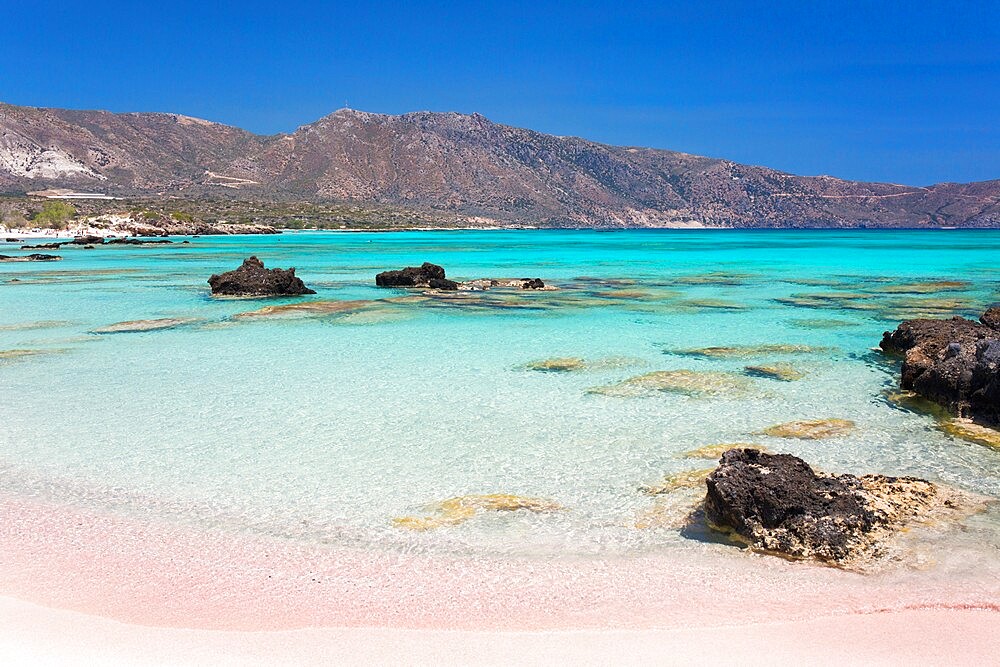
(323, 428)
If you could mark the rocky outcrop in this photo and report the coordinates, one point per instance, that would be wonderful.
(252, 279)
(426, 275)
(776, 503)
(955, 363)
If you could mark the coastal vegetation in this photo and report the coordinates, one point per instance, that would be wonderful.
(17, 211)
(54, 214)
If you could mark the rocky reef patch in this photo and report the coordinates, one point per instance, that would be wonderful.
(811, 429)
(686, 382)
(135, 326)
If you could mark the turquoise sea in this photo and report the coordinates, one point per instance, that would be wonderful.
(321, 426)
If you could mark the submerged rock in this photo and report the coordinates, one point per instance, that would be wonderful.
(573, 364)
(954, 362)
(672, 511)
(134, 326)
(777, 504)
(783, 372)
(969, 430)
(459, 510)
(679, 480)
(416, 276)
(927, 287)
(699, 305)
(558, 365)
(690, 383)
(308, 309)
(811, 429)
(9, 355)
(252, 279)
(742, 351)
(821, 323)
(727, 278)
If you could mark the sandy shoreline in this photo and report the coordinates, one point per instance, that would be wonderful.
(34, 635)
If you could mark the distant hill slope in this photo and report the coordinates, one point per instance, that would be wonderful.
(453, 162)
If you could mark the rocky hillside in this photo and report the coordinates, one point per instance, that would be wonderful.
(453, 163)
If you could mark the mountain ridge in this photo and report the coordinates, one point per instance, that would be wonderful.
(454, 163)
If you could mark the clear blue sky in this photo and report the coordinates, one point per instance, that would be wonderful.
(907, 92)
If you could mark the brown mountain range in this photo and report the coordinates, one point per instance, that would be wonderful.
(449, 162)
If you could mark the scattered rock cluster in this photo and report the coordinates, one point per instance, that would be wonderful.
(252, 279)
(955, 363)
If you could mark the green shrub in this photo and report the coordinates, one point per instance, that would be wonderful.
(54, 214)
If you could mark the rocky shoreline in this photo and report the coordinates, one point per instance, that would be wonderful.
(126, 226)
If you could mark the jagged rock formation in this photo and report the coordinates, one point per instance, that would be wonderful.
(252, 279)
(454, 163)
(776, 503)
(955, 363)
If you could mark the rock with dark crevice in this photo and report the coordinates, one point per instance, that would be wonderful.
(252, 279)
(778, 504)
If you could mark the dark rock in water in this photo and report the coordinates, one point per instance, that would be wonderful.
(252, 279)
(951, 362)
(412, 276)
(533, 283)
(10, 239)
(87, 240)
(185, 242)
(991, 317)
(88, 247)
(442, 284)
(46, 246)
(778, 504)
(34, 257)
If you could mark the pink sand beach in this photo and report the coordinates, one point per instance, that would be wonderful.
(102, 588)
